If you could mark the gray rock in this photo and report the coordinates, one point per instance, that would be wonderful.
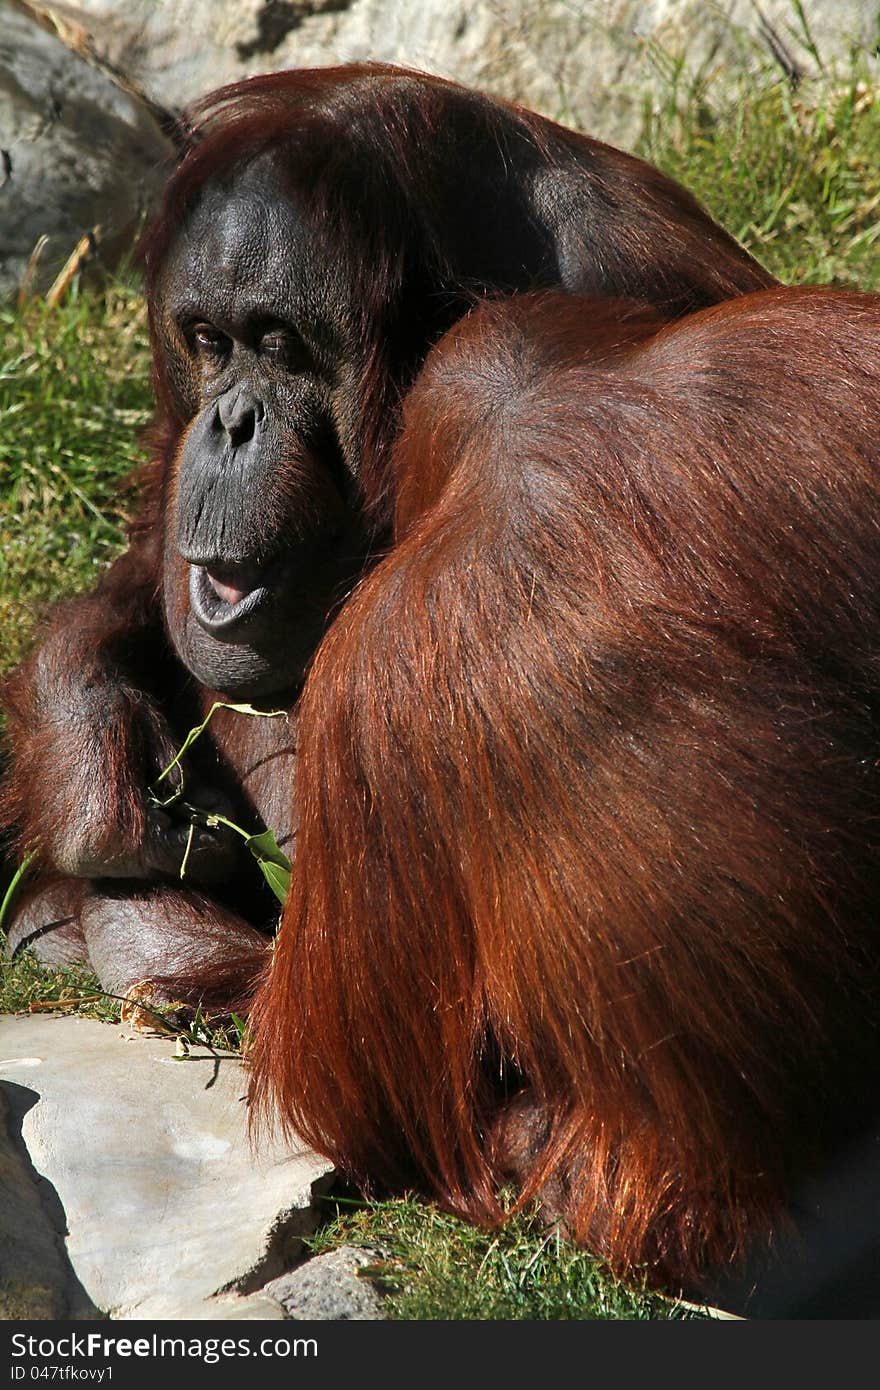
(76, 153)
(132, 1189)
(329, 1286)
(36, 1278)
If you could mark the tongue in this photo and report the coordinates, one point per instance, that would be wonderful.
(227, 593)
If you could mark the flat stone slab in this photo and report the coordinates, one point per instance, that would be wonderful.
(136, 1189)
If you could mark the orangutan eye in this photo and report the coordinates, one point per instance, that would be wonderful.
(209, 340)
(275, 344)
(286, 347)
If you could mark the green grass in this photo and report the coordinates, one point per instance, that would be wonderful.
(795, 175)
(74, 396)
(29, 989)
(432, 1266)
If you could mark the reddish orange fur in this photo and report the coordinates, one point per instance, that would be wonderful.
(587, 787)
(85, 637)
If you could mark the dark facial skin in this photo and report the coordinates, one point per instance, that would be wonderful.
(262, 530)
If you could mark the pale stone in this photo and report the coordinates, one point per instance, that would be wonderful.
(36, 1280)
(170, 1212)
(330, 1287)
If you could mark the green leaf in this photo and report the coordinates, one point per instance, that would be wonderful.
(277, 878)
(265, 846)
(274, 863)
(15, 883)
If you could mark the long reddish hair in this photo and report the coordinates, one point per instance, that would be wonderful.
(587, 791)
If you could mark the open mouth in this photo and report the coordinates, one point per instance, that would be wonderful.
(223, 597)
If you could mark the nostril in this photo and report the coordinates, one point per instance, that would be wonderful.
(240, 413)
(242, 428)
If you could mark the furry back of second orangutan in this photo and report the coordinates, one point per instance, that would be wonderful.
(587, 875)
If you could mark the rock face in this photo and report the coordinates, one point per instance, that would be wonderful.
(127, 1183)
(330, 1287)
(75, 151)
(590, 63)
(36, 1277)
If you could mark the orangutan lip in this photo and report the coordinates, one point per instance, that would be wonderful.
(224, 597)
